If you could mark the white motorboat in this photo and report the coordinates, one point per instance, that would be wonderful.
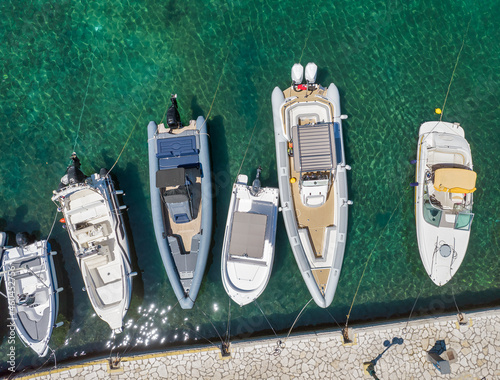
(32, 292)
(94, 222)
(312, 178)
(249, 240)
(443, 198)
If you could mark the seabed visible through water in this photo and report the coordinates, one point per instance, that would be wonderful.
(87, 76)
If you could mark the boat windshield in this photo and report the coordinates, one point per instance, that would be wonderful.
(464, 221)
(432, 214)
(321, 182)
(316, 179)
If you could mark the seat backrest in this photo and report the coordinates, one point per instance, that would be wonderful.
(176, 147)
(180, 212)
(178, 204)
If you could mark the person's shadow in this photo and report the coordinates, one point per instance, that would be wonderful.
(387, 345)
(439, 347)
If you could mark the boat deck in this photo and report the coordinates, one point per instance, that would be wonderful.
(303, 96)
(318, 218)
(315, 219)
(177, 131)
(186, 231)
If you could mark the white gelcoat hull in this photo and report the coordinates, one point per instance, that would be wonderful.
(336, 249)
(439, 269)
(245, 279)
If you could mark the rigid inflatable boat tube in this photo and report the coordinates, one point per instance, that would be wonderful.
(206, 210)
(163, 246)
(287, 206)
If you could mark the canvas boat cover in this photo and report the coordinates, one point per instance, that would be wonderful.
(248, 235)
(170, 177)
(177, 151)
(313, 147)
(175, 147)
(455, 180)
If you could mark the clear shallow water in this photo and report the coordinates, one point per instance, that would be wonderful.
(392, 62)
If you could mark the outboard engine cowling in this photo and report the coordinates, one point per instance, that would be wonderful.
(297, 73)
(73, 173)
(22, 239)
(256, 183)
(311, 72)
(173, 117)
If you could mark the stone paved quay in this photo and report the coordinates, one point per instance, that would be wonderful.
(323, 355)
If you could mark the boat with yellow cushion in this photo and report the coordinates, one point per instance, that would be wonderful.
(443, 198)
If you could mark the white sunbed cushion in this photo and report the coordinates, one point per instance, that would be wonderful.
(85, 214)
(110, 272)
(110, 293)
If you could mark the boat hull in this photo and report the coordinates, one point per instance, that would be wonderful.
(108, 284)
(186, 301)
(439, 268)
(307, 266)
(33, 323)
(245, 278)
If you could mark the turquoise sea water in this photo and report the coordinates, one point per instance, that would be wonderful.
(85, 76)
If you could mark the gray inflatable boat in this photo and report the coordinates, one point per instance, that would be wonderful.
(312, 179)
(181, 200)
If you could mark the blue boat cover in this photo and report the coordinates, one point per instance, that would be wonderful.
(175, 162)
(175, 147)
(177, 152)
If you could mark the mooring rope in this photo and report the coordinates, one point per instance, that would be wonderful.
(217, 331)
(19, 364)
(456, 305)
(201, 335)
(228, 328)
(309, 32)
(340, 327)
(369, 256)
(218, 83)
(455, 68)
(53, 353)
(128, 138)
(113, 346)
(84, 99)
(305, 43)
(405, 329)
(296, 319)
(246, 150)
(53, 223)
(269, 323)
(131, 347)
(282, 344)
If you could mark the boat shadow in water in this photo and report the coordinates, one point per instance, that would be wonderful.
(18, 224)
(196, 110)
(135, 200)
(221, 189)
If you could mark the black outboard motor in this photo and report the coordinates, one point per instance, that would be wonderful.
(22, 239)
(73, 173)
(173, 117)
(256, 183)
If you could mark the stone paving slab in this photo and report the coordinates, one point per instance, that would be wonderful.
(323, 355)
